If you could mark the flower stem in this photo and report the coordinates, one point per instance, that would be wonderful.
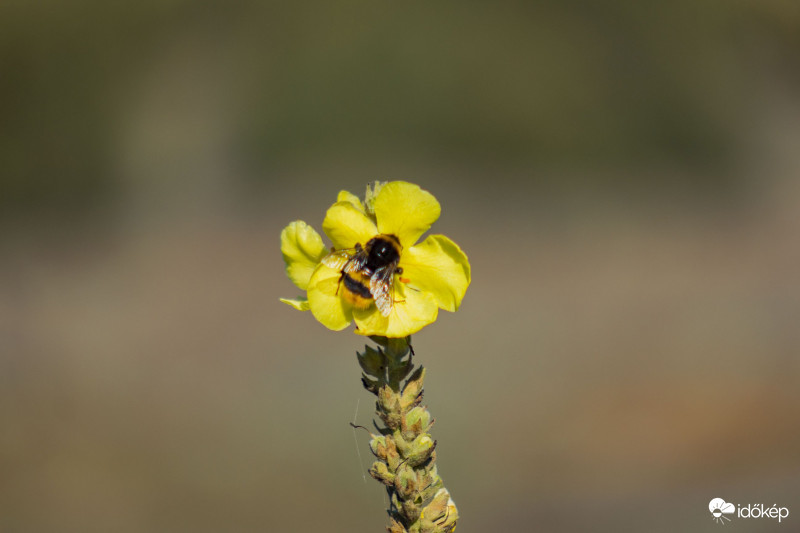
(405, 451)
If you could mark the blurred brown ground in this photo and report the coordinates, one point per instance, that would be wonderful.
(627, 351)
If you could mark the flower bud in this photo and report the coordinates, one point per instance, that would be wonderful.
(429, 482)
(440, 515)
(412, 392)
(403, 446)
(378, 447)
(405, 482)
(388, 407)
(420, 450)
(411, 510)
(379, 471)
(384, 449)
(416, 422)
(396, 527)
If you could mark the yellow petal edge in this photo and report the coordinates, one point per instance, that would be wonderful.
(405, 210)
(302, 251)
(345, 225)
(437, 266)
(346, 196)
(325, 302)
(301, 304)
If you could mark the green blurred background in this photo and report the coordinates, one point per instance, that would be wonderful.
(623, 176)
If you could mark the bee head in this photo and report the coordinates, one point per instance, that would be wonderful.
(383, 250)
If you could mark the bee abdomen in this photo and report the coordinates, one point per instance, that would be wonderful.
(355, 286)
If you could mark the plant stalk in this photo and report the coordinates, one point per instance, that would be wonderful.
(404, 448)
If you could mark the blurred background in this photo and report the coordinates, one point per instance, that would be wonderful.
(623, 176)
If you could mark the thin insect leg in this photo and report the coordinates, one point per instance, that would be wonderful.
(339, 284)
(394, 287)
(343, 274)
(354, 426)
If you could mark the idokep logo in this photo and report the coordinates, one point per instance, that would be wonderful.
(719, 508)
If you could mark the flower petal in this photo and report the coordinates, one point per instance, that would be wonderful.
(437, 266)
(301, 304)
(326, 305)
(405, 210)
(302, 251)
(412, 311)
(346, 196)
(345, 225)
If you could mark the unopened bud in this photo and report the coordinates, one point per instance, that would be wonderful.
(388, 407)
(379, 471)
(440, 515)
(378, 447)
(416, 422)
(405, 482)
(396, 527)
(412, 392)
(420, 450)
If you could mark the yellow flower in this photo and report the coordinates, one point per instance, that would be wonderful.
(433, 274)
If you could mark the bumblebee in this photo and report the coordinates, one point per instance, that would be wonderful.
(368, 272)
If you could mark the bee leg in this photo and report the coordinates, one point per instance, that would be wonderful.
(394, 301)
(341, 277)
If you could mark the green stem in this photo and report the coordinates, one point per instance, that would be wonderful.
(405, 450)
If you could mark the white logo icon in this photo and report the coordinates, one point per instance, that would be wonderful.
(719, 508)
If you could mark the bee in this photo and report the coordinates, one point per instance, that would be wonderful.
(368, 272)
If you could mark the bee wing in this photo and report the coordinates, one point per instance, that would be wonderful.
(348, 260)
(380, 286)
(338, 259)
